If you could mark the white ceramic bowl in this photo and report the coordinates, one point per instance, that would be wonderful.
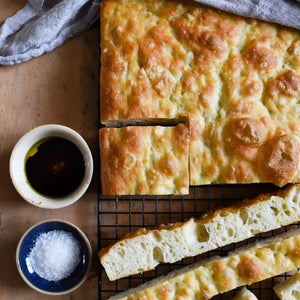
(18, 173)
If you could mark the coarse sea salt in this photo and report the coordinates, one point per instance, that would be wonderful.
(55, 255)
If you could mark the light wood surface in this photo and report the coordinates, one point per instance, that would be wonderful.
(60, 87)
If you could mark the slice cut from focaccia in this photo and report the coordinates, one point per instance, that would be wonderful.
(144, 249)
(236, 79)
(206, 279)
(289, 289)
(245, 294)
(144, 160)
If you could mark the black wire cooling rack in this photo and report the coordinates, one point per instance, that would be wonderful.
(120, 215)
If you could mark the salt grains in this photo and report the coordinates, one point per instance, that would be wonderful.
(54, 256)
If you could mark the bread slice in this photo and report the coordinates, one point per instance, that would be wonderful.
(144, 160)
(245, 294)
(289, 289)
(144, 249)
(205, 279)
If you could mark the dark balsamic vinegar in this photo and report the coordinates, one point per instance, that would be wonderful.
(54, 167)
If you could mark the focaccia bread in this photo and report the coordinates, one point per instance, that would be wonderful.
(144, 249)
(245, 294)
(236, 80)
(144, 160)
(206, 279)
(289, 289)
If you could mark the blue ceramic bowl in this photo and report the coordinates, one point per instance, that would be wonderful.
(42, 285)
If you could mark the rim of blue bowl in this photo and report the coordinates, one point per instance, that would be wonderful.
(66, 285)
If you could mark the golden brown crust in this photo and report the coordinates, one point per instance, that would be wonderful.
(261, 58)
(166, 59)
(144, 160)
(245, 132)
(249, 269)
(287, 84)
(280, 158)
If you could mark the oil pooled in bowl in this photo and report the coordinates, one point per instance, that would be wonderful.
(54, 167)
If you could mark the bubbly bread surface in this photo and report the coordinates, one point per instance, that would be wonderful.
(289, 289)
(245, 294)
(206, 279)
(144, 160)
(144, 249)
(237, 80)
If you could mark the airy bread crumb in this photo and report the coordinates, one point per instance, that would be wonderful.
(144, 249)
(205, 279)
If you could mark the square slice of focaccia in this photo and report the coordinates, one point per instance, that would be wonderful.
(144, 160)
(236, 79)
(289, 289)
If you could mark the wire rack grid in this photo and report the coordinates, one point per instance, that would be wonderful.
(120, 215)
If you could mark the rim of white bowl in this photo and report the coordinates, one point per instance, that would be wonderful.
(87, 242)
(17, 165)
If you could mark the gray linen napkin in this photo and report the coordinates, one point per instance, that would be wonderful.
(284, 12)
(43, 25)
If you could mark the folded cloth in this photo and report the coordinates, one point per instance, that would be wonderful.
(43, 25)
(284, 12)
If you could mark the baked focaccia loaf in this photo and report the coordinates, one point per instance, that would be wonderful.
(144, 160)
(206, 279)
(289, 289)
(237, 80)
(144, 249)
(245, 294)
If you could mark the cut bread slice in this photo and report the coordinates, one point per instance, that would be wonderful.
(144, 249)
(145, 160)
(205, 279)
(245, 294)
(289, 289)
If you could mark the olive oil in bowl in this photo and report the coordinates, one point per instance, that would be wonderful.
(54, 167)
